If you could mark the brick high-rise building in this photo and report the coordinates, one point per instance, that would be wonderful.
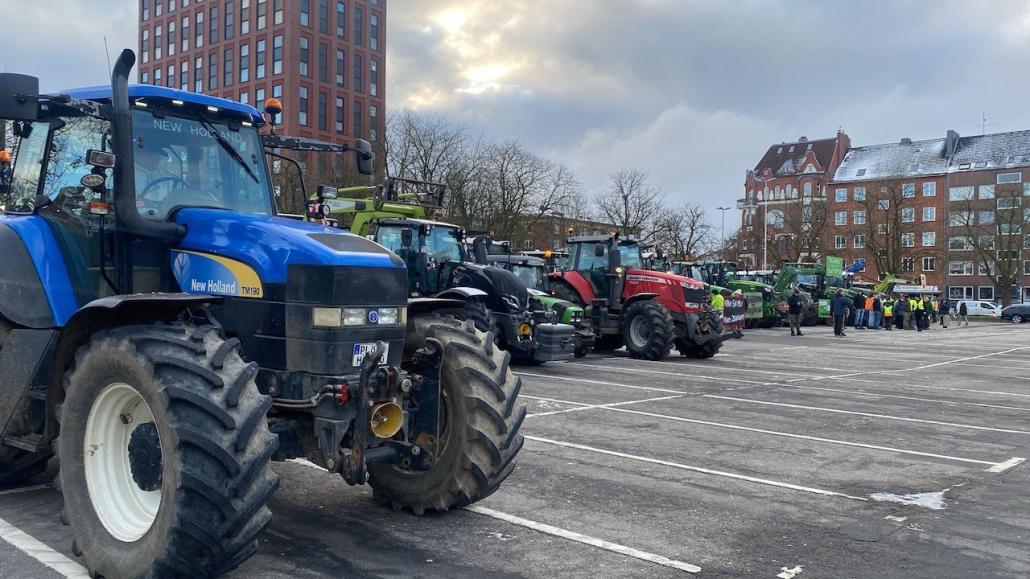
(324, 59)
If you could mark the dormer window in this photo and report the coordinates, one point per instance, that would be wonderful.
(963, 167)
(860, 173)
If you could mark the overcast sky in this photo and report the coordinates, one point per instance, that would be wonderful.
(693, 91)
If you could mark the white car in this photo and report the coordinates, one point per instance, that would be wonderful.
(980, 308)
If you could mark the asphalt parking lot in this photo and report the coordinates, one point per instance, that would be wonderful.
(882, 454)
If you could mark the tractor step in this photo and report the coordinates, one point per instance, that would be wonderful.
(29, 442)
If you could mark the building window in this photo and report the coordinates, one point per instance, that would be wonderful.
(1009, 178)
(229, 21)
(304, 56)
(960, 193)
(259, 59)
(245, 63)
(986, 242)
(908, 264)
(323, 112)
(157, 43)
(858, 217)
(302, 106)
(158, 7)
(1026, 267)
(986, 268)
(986, 191)
(840, 218)
(929, 189)
(986, 293)
(373, 123)
(341, 20)
(357, 86)
(929, 263)
(356, 114)
(840, 241)
(884, 204)
(244, 97)
(806, 189)
(305, 13)
(277, 12)
(373, 77)
(198, 74)
(373, 33)
(184, 75)
(212, 71)
(170, 78)
(341, 57)
(908, 214)
(323, 62)
(359, 18)
(146, 46)
(262, 14)
(775, 218)
(259, 97)
(961, 218)
(145, 10)
(881, 228)
(859, 242)
(323, 16)
(277, 92)
(859, 193)
(212, 32)
(960, 292)
(960, 268)
(277, 55)
(184, 38)
(157, 76)
(960, 243)
(1008, 202)
(198, 41)
(908, 190)
(929, 214)
(908, 239)
(929, 239)
(1008, 254)
(1009, 228)
(144, 77)
(171, 39)
(339, 115)
(244, 17)
(227, 59)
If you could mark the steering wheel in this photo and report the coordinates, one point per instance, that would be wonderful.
(160, 180)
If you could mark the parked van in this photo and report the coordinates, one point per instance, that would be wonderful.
(980, 308)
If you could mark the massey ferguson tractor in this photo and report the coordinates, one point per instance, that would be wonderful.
(166, 334)
(647, 311)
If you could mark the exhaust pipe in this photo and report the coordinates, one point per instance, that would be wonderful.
(386, 419)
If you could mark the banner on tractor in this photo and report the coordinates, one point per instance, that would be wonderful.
(754, 306)
(824, 308)
(834, 266)
(734, 310)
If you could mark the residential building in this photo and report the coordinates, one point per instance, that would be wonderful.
(785, 201)
(324, 59)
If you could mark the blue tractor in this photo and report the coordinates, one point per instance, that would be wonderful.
(166, 335)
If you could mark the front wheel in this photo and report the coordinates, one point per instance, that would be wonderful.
(1017, 319)
(479, 435)
(648, 330)
(703, 351)
(164, 453)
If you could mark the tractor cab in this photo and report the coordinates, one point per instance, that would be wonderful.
(430, 249)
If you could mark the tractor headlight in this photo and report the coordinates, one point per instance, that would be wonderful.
(391, 316)
(326, 317)
(353, 316)
(694, 305)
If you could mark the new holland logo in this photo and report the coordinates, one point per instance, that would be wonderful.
(373, 317)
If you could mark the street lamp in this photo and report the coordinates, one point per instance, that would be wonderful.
(722, 233)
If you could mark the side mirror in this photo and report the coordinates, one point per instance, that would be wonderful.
(365, 157)
(599, 250)
(18, 94)
(327, 192)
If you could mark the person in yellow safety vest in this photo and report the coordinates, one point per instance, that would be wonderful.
(718, 302)
(918, 312)
(888, 313)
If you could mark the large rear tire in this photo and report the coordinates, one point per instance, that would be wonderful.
(164, 451)
(479, 438)
(703, 351)
(648, 330)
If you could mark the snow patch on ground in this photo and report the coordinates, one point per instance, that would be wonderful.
(933, 501)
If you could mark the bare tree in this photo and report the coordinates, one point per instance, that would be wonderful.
(424, 147)
(684, 232)
(631, 203)
(992, 226)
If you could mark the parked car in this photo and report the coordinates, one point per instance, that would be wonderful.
(1018, 313)
(980, 308)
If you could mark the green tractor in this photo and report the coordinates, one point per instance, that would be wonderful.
(441, 266)
(166, 334)
(533, 272)
(722, 275)
(813, 278)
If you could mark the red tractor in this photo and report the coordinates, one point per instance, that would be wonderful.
(647, 311)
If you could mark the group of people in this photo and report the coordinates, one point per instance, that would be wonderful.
(879, 311)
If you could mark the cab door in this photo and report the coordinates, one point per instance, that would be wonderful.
(594, 267)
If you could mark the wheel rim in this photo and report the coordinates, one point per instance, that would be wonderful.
(119, 486)
(639, 331)
(1017, 319)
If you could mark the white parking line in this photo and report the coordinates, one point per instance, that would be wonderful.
(27, 489)
(868, 414)
(659, 372)
(922, 386)
(563, 533)
(585, 539)
(40, 552)
(584, 380)
(614, 408)
(580, 406)
(1007, 465)
(699, 469)
(899, 396)
(726, 367)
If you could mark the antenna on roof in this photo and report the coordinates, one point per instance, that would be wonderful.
(108, 52)
(983, 123)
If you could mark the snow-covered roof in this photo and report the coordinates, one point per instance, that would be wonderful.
(893, 160)
(986, 152)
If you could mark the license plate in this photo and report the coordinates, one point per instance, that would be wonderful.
(361, 349)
